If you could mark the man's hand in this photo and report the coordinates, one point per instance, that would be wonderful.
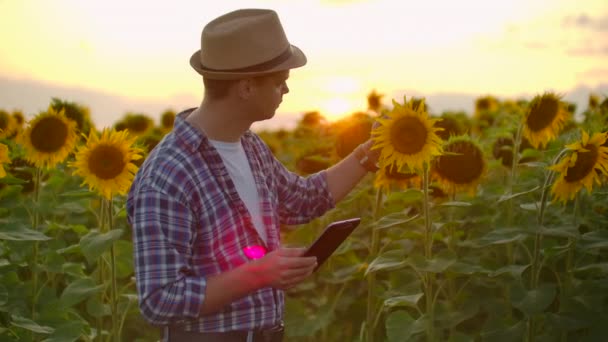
(283, 268)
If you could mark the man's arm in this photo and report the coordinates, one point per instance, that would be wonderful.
(281, 269)
(168, 288)
(343, 176)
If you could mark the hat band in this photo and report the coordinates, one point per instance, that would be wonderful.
(258, 67)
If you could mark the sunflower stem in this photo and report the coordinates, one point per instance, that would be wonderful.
(371, 277)
(536, 269)
(35, 256)
(100, 267)
(114, 287)
(428, 248)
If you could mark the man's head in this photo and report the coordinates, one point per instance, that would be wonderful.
(244, 44)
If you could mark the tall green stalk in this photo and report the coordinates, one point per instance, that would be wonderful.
(371, 277)
(428, 253)
(511, 183)
(114, 287)
(35, 223)
(536, 269)
(100, 267)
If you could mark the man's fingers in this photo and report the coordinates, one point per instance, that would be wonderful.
(292, 252)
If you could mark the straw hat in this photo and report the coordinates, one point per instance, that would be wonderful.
(245, 43)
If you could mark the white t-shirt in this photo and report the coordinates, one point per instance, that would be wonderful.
(235, 160)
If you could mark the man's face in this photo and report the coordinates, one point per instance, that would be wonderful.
(269, 91)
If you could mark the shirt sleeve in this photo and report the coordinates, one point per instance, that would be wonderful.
(163, 230)
(301, 199)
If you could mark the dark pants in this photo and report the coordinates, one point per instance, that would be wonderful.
(274, 334)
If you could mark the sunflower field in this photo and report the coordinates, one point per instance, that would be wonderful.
(484, 226)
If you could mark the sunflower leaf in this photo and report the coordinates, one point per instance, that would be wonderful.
(18, 232)
(393, 219)
(507, 197)
(455, 204)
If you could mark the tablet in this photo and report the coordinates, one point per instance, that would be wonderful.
(333, 235)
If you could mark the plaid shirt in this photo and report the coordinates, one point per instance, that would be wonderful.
(189, 223)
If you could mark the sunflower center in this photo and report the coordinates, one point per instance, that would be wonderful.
(464, 167)
(3, 120)
(543, 113)
(49, 134)
(106, 162)
(585, 162)
(408, 135)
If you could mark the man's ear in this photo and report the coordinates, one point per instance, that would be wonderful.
(245, 88)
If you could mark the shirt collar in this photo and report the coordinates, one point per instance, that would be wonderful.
(190, 135)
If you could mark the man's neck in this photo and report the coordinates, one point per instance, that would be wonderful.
(219, 121)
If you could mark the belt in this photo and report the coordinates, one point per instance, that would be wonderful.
(272, 334)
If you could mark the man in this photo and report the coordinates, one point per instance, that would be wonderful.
(211, 191)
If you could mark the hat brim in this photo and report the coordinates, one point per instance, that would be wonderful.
(296, 60)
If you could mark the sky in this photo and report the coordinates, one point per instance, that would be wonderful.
(117, 56)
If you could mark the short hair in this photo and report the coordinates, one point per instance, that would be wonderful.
(217, 89)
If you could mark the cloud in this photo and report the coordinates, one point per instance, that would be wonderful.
(599, 24)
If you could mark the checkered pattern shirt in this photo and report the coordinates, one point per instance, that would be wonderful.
(189, 223)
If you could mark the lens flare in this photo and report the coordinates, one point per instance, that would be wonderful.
(254, 252)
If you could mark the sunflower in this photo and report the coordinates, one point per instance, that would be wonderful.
(49, 138)
(75, 112)
(406, 136)
(544, 119)
(502, 149)
(106, 163)
(462, 165)
(167, 118)
(389, 177)
(374, 101)
(355, 132)
(451, 126)
(581, 167)
(4, 159)
(7, 124)
(137, 124)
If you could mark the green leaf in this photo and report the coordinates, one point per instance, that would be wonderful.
(601, 267)
(409, 301)
(3, 296)
(11, 180)
(67, 332)
(390, 260)
(400, 326)
(78, 291)
(566, 232)
(466, 268)
(514, 270)
(71, 208)
(501, 236)
(530, 206)
(124, 258)
(394, 219)
(455, 204)
(98, 309)
(18, 232)
(535, 301)
(80, 193)
(95, 243)
(407, 196)
(507, 197)
(30, 325)
(438, 264)
(506, 334)
(595, 239)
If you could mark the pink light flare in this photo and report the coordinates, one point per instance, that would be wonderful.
(254, 252)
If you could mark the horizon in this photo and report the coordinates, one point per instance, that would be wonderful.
(445, 51)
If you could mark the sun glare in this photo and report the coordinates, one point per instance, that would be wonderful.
(336, 108)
